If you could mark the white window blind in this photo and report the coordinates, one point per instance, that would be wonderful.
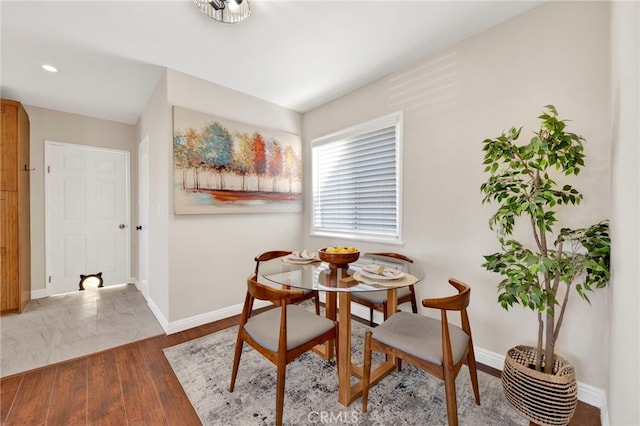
(356, 184)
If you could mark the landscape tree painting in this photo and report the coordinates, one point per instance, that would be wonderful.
(224, 166)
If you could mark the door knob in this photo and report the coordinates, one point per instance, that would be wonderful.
(139, 228)
(122, 226)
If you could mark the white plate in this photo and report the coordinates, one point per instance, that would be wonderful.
(297, 259)
(378, 277)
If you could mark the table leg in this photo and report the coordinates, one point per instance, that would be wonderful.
(347, 393)
(345, 396)
(326, 350)
(392, 301)
(330, 305)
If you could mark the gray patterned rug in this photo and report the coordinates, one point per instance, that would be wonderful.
(409, 397)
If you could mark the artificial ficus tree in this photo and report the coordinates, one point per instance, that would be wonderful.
(539, 273)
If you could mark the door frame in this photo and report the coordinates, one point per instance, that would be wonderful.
(143, 216)
(49, 145)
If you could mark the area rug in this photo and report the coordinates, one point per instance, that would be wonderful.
(407, 397)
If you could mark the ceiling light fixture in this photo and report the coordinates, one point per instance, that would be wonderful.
(49, 68)
(225, 11)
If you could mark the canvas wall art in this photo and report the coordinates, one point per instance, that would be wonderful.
(225, 166)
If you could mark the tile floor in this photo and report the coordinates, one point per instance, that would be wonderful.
(58, 328)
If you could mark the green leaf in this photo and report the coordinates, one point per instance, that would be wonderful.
(519, 186)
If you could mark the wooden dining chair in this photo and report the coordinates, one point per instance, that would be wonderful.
(281, 335)
(377, 300)
(274, 254)
(435, 346)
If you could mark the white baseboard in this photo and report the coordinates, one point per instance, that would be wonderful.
(39, 294)
(142, 287)
(488, 358)
(195, 321)
(158, 314)
(604, 413)
(597, 397)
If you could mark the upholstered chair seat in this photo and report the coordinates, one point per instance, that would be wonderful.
(421, 337)
(302, 326)
(380, 297)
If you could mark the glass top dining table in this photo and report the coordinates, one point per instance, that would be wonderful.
(338, 283)
(317, 275)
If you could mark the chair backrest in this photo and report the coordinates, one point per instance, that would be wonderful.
(268, 255)
(257, 290)
(457, 302)
(278, 296)
(395, 260)
(396, 256)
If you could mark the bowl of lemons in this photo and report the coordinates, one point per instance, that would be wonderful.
(338, 256)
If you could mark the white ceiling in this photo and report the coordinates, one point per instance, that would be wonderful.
(298, 54)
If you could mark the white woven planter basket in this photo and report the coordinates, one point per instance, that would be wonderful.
(545, 399)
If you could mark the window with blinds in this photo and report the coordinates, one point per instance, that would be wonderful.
(356, 181)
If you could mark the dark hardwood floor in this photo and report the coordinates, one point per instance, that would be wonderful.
(128, 385)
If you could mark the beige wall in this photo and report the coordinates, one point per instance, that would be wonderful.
(155, 123)
(59, 126)
(558, 53)
(624, 344)
(207, 258)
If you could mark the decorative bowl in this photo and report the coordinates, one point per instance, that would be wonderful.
(339, 260)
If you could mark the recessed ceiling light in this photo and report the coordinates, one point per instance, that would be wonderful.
(49, 68)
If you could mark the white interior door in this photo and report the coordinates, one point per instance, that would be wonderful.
(87, 203)
(143, 215)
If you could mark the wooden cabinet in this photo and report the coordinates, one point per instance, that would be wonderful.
(15, 246)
